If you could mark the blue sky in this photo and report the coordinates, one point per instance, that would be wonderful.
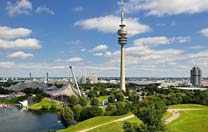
(165, 40)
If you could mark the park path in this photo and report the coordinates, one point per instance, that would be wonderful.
(175, 114)
(107, 123)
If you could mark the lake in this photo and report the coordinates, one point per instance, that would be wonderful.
(14, 120)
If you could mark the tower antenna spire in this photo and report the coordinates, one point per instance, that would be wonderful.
(122, 12)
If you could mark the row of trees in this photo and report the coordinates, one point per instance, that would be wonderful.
(173, 96)
(78, 109)
(155, 103)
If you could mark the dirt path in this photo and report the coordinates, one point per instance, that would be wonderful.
(107, 123)
(175, 114)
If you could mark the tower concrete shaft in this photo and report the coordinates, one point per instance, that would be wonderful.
(122, 70)
(122, 39)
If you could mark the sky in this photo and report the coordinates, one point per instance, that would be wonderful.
(165, 38)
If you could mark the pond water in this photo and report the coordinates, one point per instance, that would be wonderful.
(14, 120)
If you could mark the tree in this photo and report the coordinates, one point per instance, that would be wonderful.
(73, 100)
(132, 127)
(151, 113)
(110, 110)
(119, 96)
(83, 101)
(67, 115)
(94, 101)
(122, 108)
(90, 112)
(77, 110)
(111, 98)
(103, 92)
(92, 94)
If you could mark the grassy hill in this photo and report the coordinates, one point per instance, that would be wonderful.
(116, 126)
(46, 104)
(193, 118)
(105, 123)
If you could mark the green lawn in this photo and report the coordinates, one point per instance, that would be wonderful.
(11, 101)
(116, 126)
(97, 121)
(187, 106)
(46, 104)
(102, 98)
(190, 121)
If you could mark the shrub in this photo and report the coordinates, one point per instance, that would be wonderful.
(90, 112)
(94, 101)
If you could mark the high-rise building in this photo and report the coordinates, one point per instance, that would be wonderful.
(196, 75)
(122, 39)
(47, 77)
(30, 76)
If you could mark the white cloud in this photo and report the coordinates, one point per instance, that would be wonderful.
(161, 40)
(20, 44)
(110, 24)
(100, 48)
(20, 7)
(12, 33)
(7, 64)
(44, 9)
(78, 9)
(98, 54)
(204, 32)
(20, 55)
(168, 7)
(181, 39)
(75, 59)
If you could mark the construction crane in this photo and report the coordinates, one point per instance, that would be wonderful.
(75, 80)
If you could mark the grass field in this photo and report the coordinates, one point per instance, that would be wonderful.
(115, 126)
(46, 104)
(195, 120)
(187, 106)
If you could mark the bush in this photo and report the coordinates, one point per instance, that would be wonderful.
(90, 112)
(131, 127)
(94, 101)
(151, 113)
(110, 110)
(92, 94)
(83, 101)
(119, 96)
(67, 115)
(122, 108)
(111, 98)
(77, 110)
(73, 100)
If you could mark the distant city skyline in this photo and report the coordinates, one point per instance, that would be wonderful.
(165, 40)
